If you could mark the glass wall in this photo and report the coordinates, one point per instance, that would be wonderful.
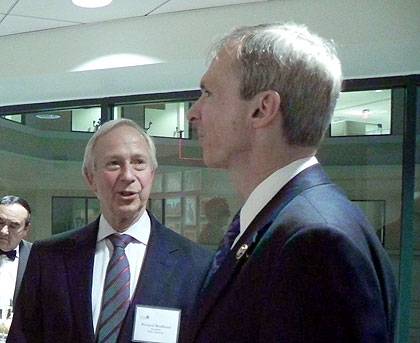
(366, 152)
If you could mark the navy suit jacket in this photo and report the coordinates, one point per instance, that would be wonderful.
(313, 271)
(54, 304)
(24, 250)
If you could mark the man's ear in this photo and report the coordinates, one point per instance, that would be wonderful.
(89, 180)
(267, 108)
(28, 228)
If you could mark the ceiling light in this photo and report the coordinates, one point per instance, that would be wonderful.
(117, 61)
(91, 3)
(48, 116)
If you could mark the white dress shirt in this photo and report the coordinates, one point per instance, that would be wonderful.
(135, 252)
(267, 189)
(8, 275)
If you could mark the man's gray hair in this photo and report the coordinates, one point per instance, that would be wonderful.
(302, 67)
(89, 158)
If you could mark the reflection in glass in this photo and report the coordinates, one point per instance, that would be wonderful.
(78, 119)
(362, 113)
(161, 119)
(73, 212)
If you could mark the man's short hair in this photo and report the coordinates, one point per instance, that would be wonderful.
(88, 160)
(302, 67)
(12, 199)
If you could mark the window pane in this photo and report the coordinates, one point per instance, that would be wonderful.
(415, 292)
(362, 113)
(86, 119)
(80, 119)
(14, 117)
(161, 119)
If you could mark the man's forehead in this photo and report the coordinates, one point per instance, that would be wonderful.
(13, 212)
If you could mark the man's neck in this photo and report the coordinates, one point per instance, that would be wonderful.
(246, 176)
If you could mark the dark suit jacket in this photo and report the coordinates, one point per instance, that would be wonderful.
(54, 304)
(24, 250)
(314, 271)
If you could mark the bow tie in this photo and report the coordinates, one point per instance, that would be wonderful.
(10, 254)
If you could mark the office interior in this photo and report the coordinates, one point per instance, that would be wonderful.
(64, 70)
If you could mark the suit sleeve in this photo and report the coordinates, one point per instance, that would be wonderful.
(27, 317)
(322, 288)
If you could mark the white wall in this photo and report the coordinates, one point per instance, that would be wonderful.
(374, 38)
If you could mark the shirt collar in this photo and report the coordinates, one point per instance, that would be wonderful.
(140, 230)
(267, 189)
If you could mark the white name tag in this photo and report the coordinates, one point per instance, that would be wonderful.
(156, 324)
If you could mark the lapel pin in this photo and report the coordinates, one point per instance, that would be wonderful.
(241, 251)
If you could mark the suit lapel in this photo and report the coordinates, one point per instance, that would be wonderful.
(79, 257)
(24, 249)
(310, 177)
(157, 265)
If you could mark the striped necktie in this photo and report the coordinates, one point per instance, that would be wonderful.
(224, 247)
(116, 294)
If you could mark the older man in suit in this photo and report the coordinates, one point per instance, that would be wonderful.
(15, 223)
(300, 263)
(107, 281)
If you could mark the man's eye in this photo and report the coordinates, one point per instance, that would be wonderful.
(139, 164)
(112, 165)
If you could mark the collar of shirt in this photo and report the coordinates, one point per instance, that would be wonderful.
(140, 230)
(267, 189)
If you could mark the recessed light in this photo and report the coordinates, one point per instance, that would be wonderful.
(91, 3)
(48, 116)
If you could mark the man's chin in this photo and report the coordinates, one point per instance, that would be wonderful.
(5, 247)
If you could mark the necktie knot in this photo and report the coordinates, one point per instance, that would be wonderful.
(120, 241)
(11, 255)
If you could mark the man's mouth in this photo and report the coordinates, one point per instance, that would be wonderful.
(128, 194)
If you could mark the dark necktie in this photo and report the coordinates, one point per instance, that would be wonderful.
(10, 254)
(224, 247)
(116, 295)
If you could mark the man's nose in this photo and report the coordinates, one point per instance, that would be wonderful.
(193, 113)
(127, 172)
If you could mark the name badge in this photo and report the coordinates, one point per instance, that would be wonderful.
(156, 324)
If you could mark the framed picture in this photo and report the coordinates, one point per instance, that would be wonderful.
(192, 180)
(173, 182)
(72, 212)
(190, 210)
(172, 207)
(375, 213)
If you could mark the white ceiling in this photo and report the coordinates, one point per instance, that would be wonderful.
(20, 16)
(161, 45)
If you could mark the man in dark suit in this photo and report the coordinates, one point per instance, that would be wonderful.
(86, 285)
(15, 224)
(300, 263)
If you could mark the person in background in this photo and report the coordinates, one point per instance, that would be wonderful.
(217, 213)
(15, 224)
(300, 262)
(112, 279)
